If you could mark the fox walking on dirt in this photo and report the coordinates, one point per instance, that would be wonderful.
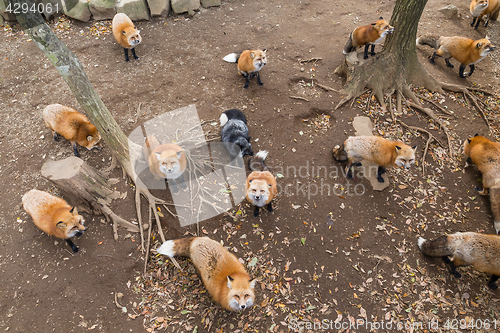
(54, 216)
(385, 153)
(465, 50)
(72, 125)
(367, 35)
(223, 275)
(466, 248)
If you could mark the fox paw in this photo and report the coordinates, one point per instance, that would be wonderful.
(380, 179)
(457, 275)
(492, 286)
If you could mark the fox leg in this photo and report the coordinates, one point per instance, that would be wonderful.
(487, 21)
(75, 148)
(373, 50)
(258, 80)
(135, 55)
(492, 281)
(181, 181)
(380, 171)
(365, 55)
(73, 246)
(471, 69)
(256, 211)
(461, 71)
(474, 19)
(434, 55)
(448, 63)
(172, 186)
(453, 268)
(270, 207)
(126, 54)
(55, 135)
(247, 77)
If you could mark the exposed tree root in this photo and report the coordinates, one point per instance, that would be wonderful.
(436, 105)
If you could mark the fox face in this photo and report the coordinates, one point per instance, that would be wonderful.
(479, 7)
(259, 192)
(170, 164)
(240, 295)
(383, 28)
(259, 59)
(133, 37)
(71, 224)
(405, 156)
(245, 146)
(484, 46)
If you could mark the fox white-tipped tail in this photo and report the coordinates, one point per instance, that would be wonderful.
(167, 248)
(223, 119)
(262, 155)
(233, 57)
(421, 240)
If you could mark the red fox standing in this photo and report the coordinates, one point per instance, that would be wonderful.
(54, 216)
(125, 34)
(485, 154)
(72, 125)
(385, 153)
(367, 35)
(166, 161)
(250, 62)
(223, 275)
(466, 51)
(466, 248)
(480, 8)
(261, 185)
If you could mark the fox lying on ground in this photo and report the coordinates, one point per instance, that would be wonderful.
(223, 275)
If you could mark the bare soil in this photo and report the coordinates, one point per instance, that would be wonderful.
(325, 252)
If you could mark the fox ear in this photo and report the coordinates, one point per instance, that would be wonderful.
(229, 282)
(74, 211)
(179, 154)
(61, 224)
(252, 283)
(138, 31)
(374, 23)
(264, 50)
(381, 18)
(158, 155)
(414, 147)
(252, 55)
(398, 148)
(90, 138)
(479, 45)
(469, 140)
(476, 135)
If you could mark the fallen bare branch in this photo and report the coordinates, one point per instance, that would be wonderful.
(301, 98)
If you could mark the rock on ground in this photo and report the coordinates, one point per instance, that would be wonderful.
(159, 7)
(135, 9)
(102, 9)
(183, 6)
(80, 11)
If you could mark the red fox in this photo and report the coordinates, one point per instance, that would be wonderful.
(223, 275)
(125, 34)
(385, 153)
(466, 248)
(261, 185)
(250, 62)
(466, 51)
(166, 161)
(367, 35)
(480, 8)
(72, 125)
(54, 216)
(485, 154)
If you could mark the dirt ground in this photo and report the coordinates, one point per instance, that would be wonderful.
(334, 255)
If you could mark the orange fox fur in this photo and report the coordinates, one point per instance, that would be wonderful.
(480, 8)
(126, 34)
(260, 187)
(223, 275)
(72, 125)
(485, 154)
(465, 50)
(466, 248)
(54, 216)
(166, 160)
(385, 153)
(367, 35)
(250, 62)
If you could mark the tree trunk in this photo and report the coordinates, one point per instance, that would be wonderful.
(87, 187)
